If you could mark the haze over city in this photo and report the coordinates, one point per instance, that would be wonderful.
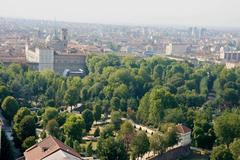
(217, 13)
(119, 79)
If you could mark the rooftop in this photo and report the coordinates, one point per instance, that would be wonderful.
(182, 129)
(47, 147)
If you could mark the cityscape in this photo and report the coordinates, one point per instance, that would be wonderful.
(129, 87)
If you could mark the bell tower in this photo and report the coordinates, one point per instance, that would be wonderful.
(64, 37)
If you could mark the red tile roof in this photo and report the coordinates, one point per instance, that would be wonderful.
(182, 129)
(47, 147)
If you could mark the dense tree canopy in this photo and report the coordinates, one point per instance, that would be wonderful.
(227, 127)
(235, 149)
(49, 114)
(10, 107)
(88, 118)
(74, 126)
(152, 91)
(111, 148)
(116, 119)
(26, 127)
(221, 152)
(127, 133)
(140, 144)
(52, 128)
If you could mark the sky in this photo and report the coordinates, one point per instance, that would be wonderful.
(218, 13)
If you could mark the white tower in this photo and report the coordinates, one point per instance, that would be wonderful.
(169, 49)
(222, 54)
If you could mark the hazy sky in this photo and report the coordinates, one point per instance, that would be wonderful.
(220, 13)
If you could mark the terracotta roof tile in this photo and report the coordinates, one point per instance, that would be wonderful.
(47, 147)
(182, 129)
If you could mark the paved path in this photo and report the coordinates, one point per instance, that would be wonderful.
(8, 131)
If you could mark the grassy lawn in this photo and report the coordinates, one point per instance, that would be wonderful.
(91, 132)
(94, 144)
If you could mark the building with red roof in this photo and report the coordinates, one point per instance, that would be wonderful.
(184, 135)
(50, 148)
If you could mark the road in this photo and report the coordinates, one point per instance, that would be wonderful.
(8, 131)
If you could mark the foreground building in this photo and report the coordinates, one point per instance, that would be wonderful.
(50, 148)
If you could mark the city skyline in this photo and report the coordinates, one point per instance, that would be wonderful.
(215, 13)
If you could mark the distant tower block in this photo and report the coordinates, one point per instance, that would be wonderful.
(169, 49)
(64, 36)
(222, 53)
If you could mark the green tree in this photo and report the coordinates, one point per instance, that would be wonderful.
(140, 145)
(97, 111)
(221, 153)
(153, 104)
(175, 115)
(88, 118)
(157, 143)
(69, 141)
(97, 132)
(26, 127)
(235, 149)
(132, 104)
(157, 72)
(52, 128)
(9, 107)
(4, 92)
(194, 100)
(76, 146)
(71, 96)
(127, 133)
(121, 91)
(204, 86)
(49, 114)
(107, 131)
(115, 103)
(84, 94)
(43, 134)
(143, 109)
(89, 149)
(171, 136)
(28, 142)
(61, 118)
(21, 113)
(110, 148)
(160, 99)
(73, 127)
(116, 119)
(227, 127)
(231, 96)
(95, 90)
(203, 133)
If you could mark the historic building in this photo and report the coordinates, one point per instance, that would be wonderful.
(52, 54)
